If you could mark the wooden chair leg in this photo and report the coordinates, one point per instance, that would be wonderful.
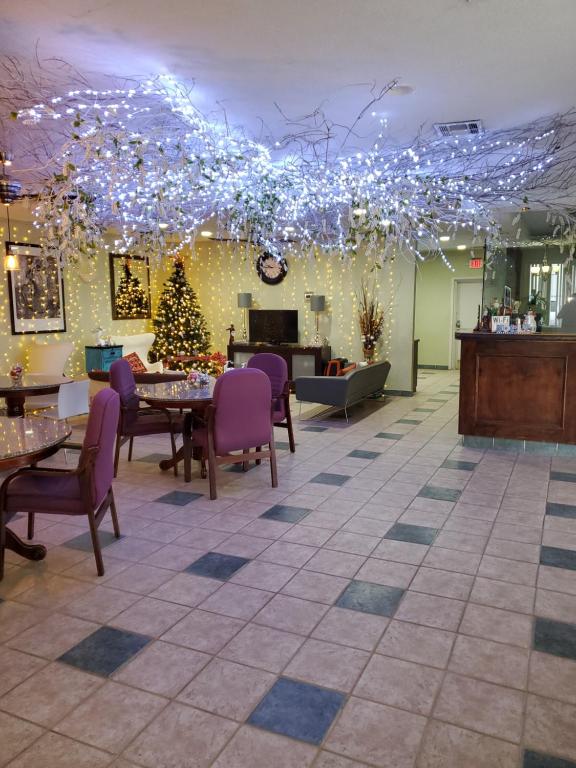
(96, 544)
(114, 515)
(212, 467)
(290, 431)
(30, 526)
(246, 464)
(203, 468)
(117, 455)
(130, 446)
(273, 467)
(2, 542)
(258, 461)
(173, 443)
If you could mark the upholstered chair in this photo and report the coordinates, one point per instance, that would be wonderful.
(86, 490)
(276, 368)
(136, 421)
(238, 419)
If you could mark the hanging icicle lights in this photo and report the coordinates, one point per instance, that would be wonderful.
(147, 164)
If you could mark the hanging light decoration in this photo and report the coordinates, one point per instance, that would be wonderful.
(11, 263)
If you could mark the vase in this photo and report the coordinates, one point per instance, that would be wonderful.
(369, 354)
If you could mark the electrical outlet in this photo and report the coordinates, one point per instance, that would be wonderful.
(308, 295)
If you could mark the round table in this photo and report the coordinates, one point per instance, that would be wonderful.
(16, 394)
(183, 396)
(23, 442)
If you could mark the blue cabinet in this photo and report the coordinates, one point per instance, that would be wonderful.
(101, 358)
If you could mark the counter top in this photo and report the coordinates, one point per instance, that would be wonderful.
(544, 336)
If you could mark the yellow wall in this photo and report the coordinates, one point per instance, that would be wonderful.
(434, 301)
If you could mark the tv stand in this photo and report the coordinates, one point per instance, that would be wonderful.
(302, 361)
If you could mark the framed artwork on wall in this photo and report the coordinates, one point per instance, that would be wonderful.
(36, 290)
(130, 287)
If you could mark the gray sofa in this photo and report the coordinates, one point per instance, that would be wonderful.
(343, 391)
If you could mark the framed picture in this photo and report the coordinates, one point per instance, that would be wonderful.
(36, 290)
(130, 287)
(507, 297)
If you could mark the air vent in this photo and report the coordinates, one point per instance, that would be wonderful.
(462, 128)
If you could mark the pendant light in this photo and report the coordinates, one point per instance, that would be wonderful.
(11, 263)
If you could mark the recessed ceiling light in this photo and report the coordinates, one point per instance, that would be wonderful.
(162, 225)
(461, 247)
(359, 211)
(401, 90)
(288, 229)
(444, 238)
(206, 233)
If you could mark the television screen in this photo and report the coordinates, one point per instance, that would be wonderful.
(273, 326)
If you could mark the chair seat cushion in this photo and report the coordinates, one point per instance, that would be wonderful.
(57, 494)
(153, 424)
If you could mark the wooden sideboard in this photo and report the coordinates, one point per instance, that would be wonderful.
(302, 361)
(521, 387)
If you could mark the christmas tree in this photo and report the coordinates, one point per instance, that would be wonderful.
(130, 299)
(179, 324)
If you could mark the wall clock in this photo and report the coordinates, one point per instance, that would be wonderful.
(271, 270)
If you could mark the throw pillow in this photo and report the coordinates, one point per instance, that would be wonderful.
(135, 363)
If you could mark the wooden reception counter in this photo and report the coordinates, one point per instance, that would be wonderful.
(521, 387)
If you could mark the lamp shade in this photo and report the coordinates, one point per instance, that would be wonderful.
(317, 303)
(245, 300)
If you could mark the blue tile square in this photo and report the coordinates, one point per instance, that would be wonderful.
(281, 445)
(415, 534)
(366, 597)
(542, 448)
(469, 466)
(537, 760)
(437, 400)
(179, 498)
(565, 449)
(439, 493)
(446, 392)
(105, 650)
(84, 541)
(299, 710)
(565, 477)
(314, 429)
(424, 410)
(555, 637)
(478, 442)
(358, 454)
(560, 510)
(558, 558)
(506, 444)
(328, 478)
(389, 435)
(285, 513)
(154, 458)
(408, 421)
(215, 565)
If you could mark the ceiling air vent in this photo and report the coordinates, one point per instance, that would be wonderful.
(462, 128)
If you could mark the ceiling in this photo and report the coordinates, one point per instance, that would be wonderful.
(503, 62)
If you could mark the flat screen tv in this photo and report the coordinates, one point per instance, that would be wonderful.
(273, 326)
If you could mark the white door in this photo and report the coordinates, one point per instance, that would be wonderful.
(467, 298)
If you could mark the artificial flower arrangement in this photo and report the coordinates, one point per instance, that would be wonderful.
(198, 378)
(371, 319)
(16, 373)
(212, 364)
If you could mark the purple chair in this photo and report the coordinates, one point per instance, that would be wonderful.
(238, 420)
(276, 368)
(86, 490)
(136, 421)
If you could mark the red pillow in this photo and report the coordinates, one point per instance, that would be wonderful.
(135, 363)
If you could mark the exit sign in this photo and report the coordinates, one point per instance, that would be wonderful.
(476, 263)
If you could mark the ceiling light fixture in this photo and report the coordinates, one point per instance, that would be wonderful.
(460, 247)
(206, 233)
(11, 263)
(444, 238)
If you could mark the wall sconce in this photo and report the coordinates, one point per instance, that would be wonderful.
(244, 302)
(317, 305)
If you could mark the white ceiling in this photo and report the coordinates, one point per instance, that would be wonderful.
(503, 61)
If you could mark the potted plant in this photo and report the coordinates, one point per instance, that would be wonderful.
(371, 319)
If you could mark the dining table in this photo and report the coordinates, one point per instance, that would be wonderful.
(24, 442)
(182, 396)
(15, 392)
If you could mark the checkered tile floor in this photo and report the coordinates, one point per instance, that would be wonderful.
(399, 601)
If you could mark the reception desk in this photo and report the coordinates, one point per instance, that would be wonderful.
(519, 387)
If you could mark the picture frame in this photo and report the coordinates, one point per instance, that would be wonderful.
(507, 297)
(35, 290)
(130, 287)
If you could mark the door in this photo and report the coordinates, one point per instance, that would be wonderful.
(467, 299)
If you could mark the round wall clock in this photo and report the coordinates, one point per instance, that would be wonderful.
(271, 270)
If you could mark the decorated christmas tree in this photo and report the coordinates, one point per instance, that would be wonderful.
(179, 324)
(130, 299)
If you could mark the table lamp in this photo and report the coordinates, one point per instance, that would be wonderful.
(244, 302)
(317, 304)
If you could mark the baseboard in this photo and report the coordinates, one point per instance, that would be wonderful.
(399, 393)
(435, 367)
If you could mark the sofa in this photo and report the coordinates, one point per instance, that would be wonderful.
(141, 344)
(343, 391)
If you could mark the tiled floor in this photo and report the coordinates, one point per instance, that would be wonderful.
(398, 602)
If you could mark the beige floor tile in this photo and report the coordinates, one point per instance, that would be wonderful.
(554, 579)
(15, 618)
(287, 553)
(186, 589)
(387, 572)
(262, 647)
(330, 760)
(452, 560)
(490, 709)
(463, 542)
(54, 592)
(54, 751)
(328, 665)
(401, 551)
(446, 746)
(227, 689)
(244, 546)
(413, 642)
(513, 550)
(53, 636)
(46, 697)
(204, 631)
(291, 614)
(496, 624)
(335, 563)
(354, 543)
(261, 575)
(439, 612)
(15, 736)
(500, 594)
(236, 601)
(101, 604)
(442, 583)
(377, 734)
(494, 662)
(508, 570)
(556, 605)
(353, 628)
(162, 668)
(174, 557)
(142, 579)
(400, 684)
(316, 586)
(252, 748)
(111, 717)
(181, 737)
(305, 534)
(150, 617)
(550, 727)
(15, 667)
(552, 676)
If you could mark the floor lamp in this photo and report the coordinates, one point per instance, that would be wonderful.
(317, 305)
(244, 302)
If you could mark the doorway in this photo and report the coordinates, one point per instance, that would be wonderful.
(467, 297)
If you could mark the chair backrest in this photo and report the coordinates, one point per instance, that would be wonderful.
(122, 381)
(275, 367)
(49, 358)
(73, 398)
(101, 432)
(242, 401)
(138, 342)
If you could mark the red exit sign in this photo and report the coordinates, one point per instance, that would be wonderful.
(476, 263)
